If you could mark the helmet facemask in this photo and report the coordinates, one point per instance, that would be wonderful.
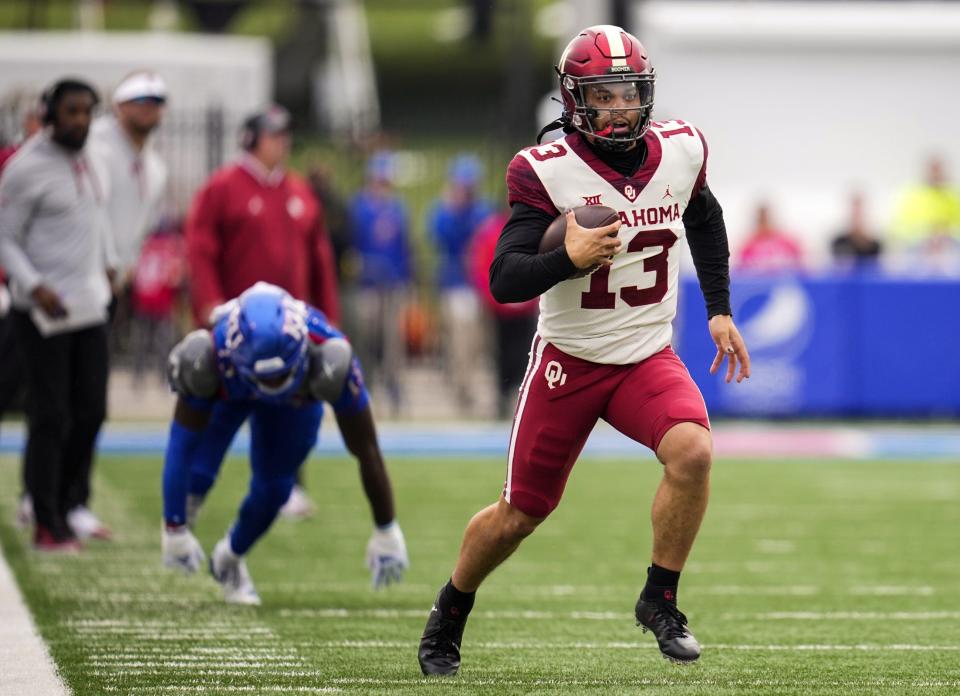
(613, 111)
(275, 377)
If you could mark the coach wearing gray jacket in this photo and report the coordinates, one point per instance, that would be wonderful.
(56, 249)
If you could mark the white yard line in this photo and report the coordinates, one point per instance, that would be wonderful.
(588, 591)
(849, 616)
(742, 684)
(184, 689)
(26, 668)
(640, 645)
(343, 613)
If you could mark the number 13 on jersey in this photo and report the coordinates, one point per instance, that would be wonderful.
(600, 296)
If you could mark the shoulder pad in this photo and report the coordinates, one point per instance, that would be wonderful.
(329, 368)
(192, 367)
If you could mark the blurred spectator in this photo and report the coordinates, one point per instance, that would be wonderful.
(855, 247)
(927, 209)
(255, 221)
(769, 249)
(336, 215)
(53, 243)
(514, 324)
(381, 244)
(11, 369)
(122, 142)
(156, 281)
(138, 177)
(30, 125)
(453, 220)
(937, 255)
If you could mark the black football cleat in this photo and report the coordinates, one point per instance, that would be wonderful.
(669, 625)
(439, 653)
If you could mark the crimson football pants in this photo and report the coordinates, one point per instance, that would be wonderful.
(563, 397)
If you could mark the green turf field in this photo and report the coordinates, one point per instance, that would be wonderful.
(815, 577)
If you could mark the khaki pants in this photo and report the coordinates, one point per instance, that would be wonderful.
(463, 343)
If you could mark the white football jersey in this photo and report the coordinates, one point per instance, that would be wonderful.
(620, 314)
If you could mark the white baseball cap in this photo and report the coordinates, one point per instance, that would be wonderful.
(140, 85)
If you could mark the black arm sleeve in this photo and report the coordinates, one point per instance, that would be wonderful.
(518, 272)
(707, 237)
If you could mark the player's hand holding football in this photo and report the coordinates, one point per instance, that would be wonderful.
(387, 555)
(590, 247)
(181, 550)
(730, 345)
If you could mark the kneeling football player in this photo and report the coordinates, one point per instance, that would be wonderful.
(274, 360)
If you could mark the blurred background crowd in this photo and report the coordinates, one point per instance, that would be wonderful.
(354, 153)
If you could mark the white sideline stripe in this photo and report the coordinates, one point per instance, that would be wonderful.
(26, 668)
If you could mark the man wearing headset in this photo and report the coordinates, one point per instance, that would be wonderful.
(255, 221)
(54, 246)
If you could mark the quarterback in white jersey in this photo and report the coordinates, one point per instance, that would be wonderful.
(640, 287)
(602, 349)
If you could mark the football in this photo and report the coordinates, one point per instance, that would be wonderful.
(590, 216)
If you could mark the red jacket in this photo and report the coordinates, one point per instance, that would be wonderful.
(483, 248)
(242, 229)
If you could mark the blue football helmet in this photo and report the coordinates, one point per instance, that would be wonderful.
(267, 338)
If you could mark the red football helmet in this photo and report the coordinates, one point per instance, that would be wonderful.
(606, 65)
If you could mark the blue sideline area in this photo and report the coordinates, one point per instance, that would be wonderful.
(453, 440)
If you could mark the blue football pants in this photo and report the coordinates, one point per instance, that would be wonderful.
(281, 438)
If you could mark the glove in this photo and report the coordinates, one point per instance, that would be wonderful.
(181, 550)
(387, 555)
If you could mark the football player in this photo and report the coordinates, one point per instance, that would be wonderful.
(274, 360)
(602, 348)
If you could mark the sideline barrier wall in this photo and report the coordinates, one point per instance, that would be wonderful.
(833, 345)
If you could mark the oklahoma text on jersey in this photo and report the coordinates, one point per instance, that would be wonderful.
(622, 313)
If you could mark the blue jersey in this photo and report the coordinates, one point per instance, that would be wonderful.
(284, 424)
(453, 230)
(380, 237)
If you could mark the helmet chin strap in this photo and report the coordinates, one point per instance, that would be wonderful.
(553, 125)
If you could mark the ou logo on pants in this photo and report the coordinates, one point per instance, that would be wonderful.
(555, 375)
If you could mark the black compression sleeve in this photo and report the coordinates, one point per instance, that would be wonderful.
(707, 237)
(518, 272)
